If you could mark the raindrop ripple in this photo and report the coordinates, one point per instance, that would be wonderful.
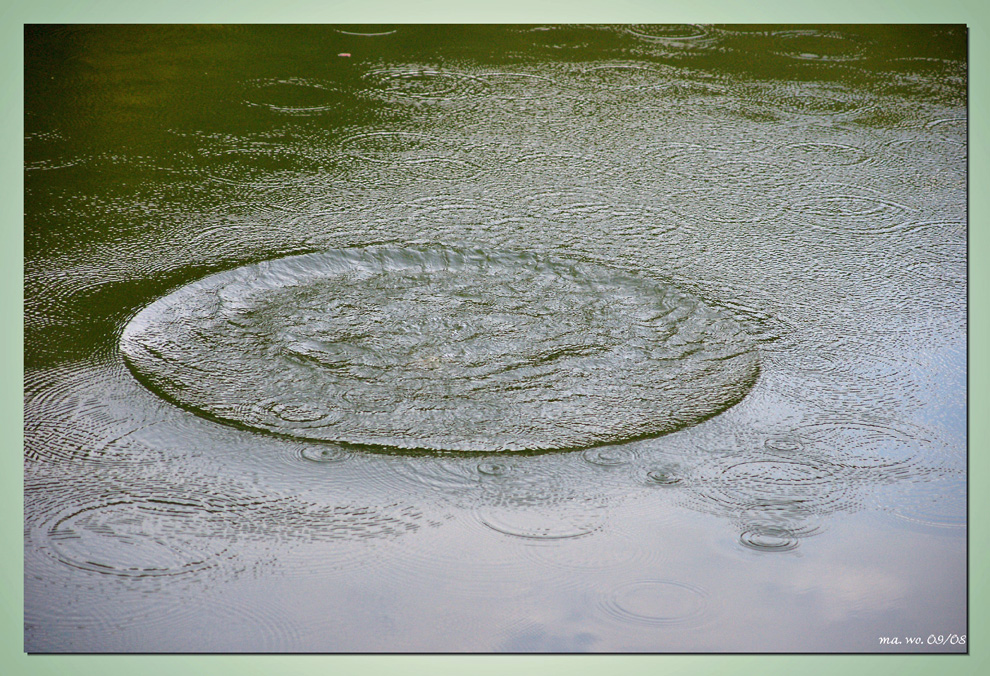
(441, 349)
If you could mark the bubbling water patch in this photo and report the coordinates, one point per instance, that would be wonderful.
(442, 349)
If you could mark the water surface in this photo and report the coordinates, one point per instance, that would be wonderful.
(495, 338)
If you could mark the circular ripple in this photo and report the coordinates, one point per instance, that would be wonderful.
(813, 102)
(668, 33)
(657, 602)
(847, 209)
(608, 457)
(816, 45)
(659, 477)
(443, 476)
(768, 539)
(426, 84)
(951, 128)
(87, 415)
(422, 155)
(131, 539)
(294, 96)
(860, 445)
(441, 349)
(324, 453)
(536, 517)
(367, 31)
(771, 488)
(784, 443)
(392, 146)
(773, 477)
(494, 469)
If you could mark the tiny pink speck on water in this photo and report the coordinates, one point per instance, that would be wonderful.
(344, 54)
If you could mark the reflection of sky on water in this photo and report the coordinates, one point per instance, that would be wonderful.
(943, 369)
(841, 592)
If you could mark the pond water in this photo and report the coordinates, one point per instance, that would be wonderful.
(495, 339)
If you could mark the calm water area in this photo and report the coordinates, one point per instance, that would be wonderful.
(495, 339)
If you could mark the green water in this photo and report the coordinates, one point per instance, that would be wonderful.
(715, 274)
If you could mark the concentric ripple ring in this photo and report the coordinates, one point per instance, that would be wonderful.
(443, 349)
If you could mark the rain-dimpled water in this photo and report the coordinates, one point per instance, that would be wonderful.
(495, 339)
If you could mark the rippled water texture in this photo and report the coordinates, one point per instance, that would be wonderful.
(550, 338)
(441, 349)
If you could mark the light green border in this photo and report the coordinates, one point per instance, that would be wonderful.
(15, 13)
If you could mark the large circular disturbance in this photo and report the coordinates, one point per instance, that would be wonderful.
(441, 349)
